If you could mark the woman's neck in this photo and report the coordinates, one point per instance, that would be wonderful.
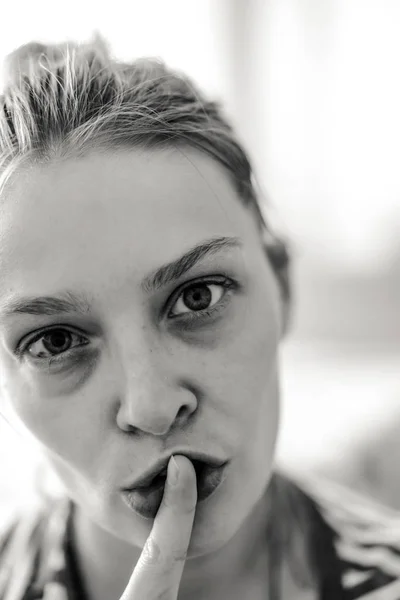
(106, 563)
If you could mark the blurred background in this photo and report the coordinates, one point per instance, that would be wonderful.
(313, 89)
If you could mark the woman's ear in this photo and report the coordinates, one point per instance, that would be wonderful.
(278, 255)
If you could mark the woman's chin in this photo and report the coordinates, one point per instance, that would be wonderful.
(222, 520)
(204, 542)
(214, 525)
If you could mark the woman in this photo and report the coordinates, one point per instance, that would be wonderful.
(142, 303)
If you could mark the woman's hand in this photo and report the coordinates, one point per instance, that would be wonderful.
(159, 569)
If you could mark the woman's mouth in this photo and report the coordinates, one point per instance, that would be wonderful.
(145, 499)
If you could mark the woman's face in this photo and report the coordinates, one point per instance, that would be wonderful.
(112, 363)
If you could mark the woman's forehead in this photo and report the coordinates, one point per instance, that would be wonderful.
(134, 208)
(123, 188)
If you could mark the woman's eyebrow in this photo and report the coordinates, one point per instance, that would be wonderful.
(172, 271)
(65, 302)
(70, 302)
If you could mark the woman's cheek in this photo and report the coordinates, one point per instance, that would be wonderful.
(65, 426)
(49, 405)
(42, 381)
(64, 377)
(249, 379)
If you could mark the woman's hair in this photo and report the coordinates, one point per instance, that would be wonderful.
(66, 100)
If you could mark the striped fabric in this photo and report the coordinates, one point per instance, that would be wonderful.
(37, 561)
(366, 540)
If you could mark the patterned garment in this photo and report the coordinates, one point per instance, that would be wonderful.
(356, 542)
(366, 539)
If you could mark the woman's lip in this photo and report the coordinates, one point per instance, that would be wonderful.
(146, 501)
(145, 480)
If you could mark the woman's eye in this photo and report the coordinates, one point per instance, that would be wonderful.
(198, 297)
(54, 342)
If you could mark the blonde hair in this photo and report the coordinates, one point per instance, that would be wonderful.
(68, 99)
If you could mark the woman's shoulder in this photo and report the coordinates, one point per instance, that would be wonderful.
(26, 535)
(351, 537)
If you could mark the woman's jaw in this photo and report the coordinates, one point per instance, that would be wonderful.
(207, 570)
(212, 560)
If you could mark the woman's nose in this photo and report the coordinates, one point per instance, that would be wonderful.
(153, 400)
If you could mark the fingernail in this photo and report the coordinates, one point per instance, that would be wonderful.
(174, 471)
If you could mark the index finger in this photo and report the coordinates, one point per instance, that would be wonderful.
(159, 569)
